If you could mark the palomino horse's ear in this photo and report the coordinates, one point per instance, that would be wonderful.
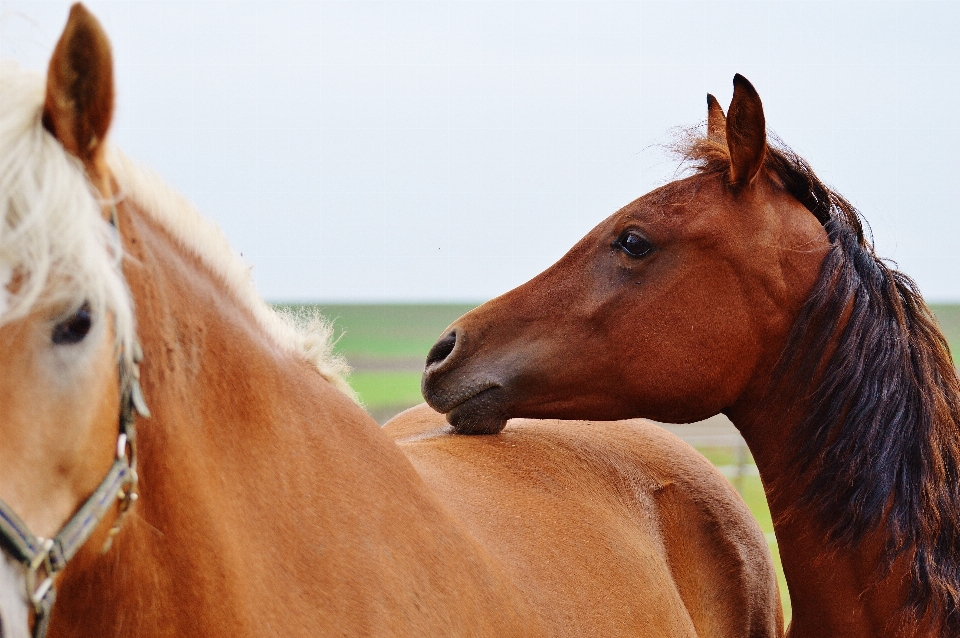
(716, 121)
(746, 132)
(79, 102)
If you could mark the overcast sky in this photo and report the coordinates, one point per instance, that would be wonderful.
(449, 151)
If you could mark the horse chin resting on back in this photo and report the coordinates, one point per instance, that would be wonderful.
(259, 499)
(749, 288)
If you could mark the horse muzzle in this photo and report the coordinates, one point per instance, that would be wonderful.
(474, 401)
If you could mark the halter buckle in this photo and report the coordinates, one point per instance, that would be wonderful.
(38, 591)
(127, 494)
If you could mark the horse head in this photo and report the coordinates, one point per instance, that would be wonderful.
(673, 308)
(66, 320)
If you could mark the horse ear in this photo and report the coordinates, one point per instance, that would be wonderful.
(79, 101)
(716, 121)
(746, 132)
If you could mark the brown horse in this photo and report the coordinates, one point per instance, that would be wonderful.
(749, 288)
(269, 502)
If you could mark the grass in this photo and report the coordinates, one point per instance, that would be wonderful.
(390, 330)
(722, 455)
(948, 316)
(372, 335)
(387, 388)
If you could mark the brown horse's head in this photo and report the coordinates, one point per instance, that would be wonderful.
(672, 309)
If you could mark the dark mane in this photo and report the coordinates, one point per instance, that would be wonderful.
(878, 443)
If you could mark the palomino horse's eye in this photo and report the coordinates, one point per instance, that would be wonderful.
(74, 329)
(633, 243)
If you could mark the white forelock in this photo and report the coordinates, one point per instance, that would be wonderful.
(56, 250)
(14, 609)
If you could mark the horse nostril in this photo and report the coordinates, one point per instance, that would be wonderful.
(442, 349)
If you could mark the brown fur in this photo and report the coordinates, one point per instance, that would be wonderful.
(746, 133)
(716, 122)
(760, 298)
(79, 105)
(271, 504)
(609, 529)
(867, 359)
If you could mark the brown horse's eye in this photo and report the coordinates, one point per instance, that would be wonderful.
(74, 329)
(633, 243)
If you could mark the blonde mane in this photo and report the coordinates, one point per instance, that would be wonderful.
(56, 248)
(309, 335)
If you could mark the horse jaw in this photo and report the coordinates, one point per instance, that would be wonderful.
(14, 611)
(481, 413)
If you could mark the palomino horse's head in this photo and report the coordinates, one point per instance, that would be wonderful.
(669, 309)
(65, 314)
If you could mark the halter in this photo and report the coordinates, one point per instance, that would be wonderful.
(44, 558)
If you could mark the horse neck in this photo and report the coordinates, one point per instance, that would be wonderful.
(256, 477)
(851, 440)
(834, 591)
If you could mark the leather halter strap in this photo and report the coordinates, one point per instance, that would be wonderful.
(45, 557)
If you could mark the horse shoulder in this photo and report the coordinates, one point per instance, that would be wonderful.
(706, 523)
(282, 496)
(608, 528)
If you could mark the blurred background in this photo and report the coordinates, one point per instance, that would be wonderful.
(397, 163)
(448, 151)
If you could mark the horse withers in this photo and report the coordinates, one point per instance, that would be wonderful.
(258, 499)
(749, 288)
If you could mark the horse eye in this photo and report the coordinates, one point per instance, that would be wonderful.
(74, 329)
(633, 243)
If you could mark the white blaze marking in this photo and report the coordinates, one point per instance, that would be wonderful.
(14, 610)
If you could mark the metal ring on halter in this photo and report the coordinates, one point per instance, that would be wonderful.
(44, 558)
(38, 592)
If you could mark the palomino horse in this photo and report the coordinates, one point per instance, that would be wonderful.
(748, 288)
(270, 503)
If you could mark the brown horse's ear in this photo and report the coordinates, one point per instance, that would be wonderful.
(746, 132)
(79, 101)
(716, 121)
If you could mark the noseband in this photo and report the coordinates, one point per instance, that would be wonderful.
(44, 558)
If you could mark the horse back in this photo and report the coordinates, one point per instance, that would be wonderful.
(608, 528)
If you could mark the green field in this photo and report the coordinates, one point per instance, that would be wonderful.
(385, 389)
(387, 345)
(948, 316)
(389, 330)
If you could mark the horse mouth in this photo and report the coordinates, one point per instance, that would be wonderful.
(480, 413)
